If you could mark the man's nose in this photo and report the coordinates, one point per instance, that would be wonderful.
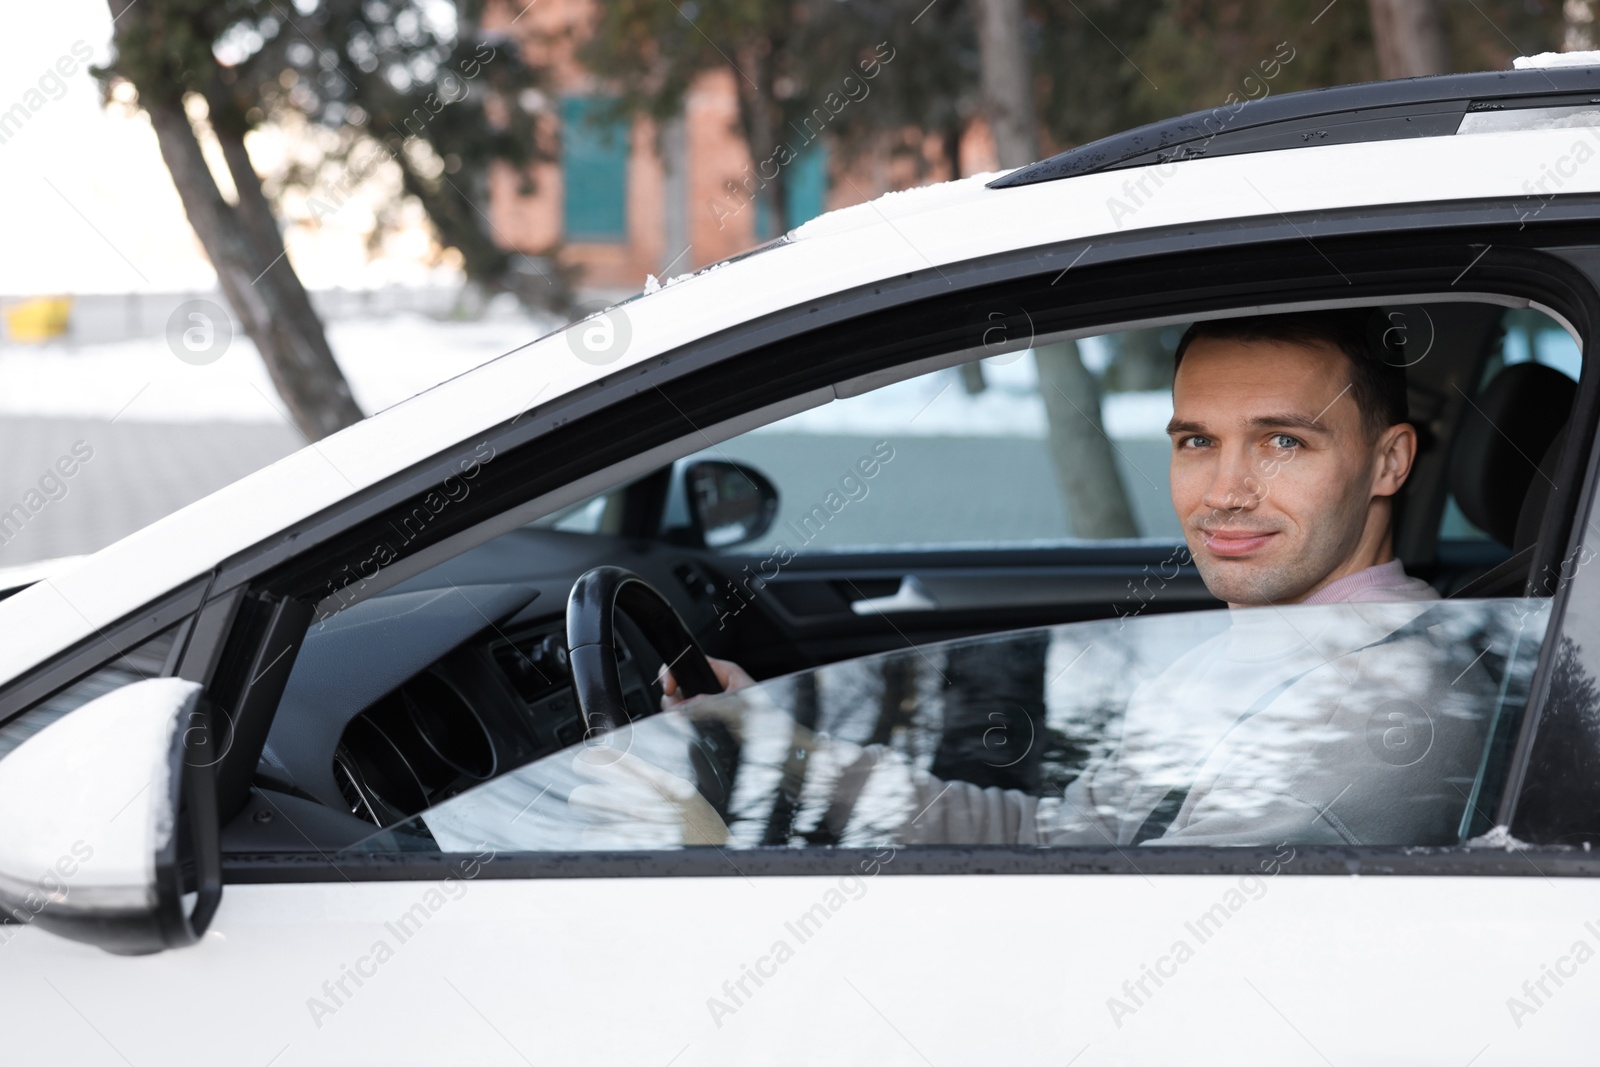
(1235, 483)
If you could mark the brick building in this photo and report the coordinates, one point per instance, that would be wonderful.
(621, 208)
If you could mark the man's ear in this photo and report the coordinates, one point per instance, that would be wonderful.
(1395, 452)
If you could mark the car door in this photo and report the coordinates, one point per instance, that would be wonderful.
(958, 955)
(493, 951)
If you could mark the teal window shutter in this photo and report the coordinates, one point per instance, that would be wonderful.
(808, 183)
(807, 175)
(594, 171)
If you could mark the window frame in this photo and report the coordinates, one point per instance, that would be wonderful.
(177, 608)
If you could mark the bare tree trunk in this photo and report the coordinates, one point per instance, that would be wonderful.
(246, 251)
(760, 117)
(1410, 38)
(1006, 76)
(1141, 363)
(1085, 463)
(1086, 471)
(971, 373)
(286, 332)
(972, 378)
(1578, 31)
(952, 149)
(303, 368)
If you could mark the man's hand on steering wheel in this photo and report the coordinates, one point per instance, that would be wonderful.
(730, 674)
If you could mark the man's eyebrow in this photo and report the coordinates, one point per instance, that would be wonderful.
(1288, 421)
(1260, 422)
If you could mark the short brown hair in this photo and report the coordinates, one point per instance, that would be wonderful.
(1377, 370)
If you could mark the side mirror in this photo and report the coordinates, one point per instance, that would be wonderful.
(729, 503)
(93, 844)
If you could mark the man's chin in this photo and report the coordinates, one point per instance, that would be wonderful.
(1244, 582)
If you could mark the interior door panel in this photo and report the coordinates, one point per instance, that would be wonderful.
(827, 607)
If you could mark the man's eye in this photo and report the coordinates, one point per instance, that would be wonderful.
(1194, 440)
(1285, 441)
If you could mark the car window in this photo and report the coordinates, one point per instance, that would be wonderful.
(596, 515)
(1060, 442)
(1005, 455)
(1371, 724)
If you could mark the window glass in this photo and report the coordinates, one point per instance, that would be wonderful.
(594, 170)
(1532, 336)
(1369, 724)
(147, 660)
(586, 516)
(1064, 442)
(1455, 526)
(1560, 799)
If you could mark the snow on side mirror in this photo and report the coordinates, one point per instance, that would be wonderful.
(90, 805)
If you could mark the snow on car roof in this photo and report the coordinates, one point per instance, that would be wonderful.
(1549, 60)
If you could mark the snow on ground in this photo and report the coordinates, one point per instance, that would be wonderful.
(938, 405)
(385, 361)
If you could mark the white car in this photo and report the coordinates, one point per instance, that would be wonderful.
(360, 760)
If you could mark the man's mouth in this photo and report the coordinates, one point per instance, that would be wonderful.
(1233, 544)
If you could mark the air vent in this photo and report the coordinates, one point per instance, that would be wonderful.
(417, 746)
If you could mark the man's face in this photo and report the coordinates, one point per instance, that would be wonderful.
(1273, 473)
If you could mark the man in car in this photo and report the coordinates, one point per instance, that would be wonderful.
(1290, 442)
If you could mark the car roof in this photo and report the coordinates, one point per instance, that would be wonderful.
(897, 234)
(1341, 114)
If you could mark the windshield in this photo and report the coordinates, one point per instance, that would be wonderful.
(1356, 724)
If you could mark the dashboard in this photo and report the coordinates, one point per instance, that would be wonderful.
(408, 698)
(490, 706)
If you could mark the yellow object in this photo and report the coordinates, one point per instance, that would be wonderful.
(38, 319)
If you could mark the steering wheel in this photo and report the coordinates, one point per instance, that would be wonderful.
(592, 643)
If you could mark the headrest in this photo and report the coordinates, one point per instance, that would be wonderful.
(1538, 498)
(1504, 433)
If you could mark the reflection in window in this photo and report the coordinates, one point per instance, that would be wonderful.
(1375, 724)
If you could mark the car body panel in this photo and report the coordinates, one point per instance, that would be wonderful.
(16, 578)
(1011, 969)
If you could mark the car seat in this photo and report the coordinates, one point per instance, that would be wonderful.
(1521, 414)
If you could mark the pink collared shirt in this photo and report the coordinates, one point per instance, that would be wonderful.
(1386, 581)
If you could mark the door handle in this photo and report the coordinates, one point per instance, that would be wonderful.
(911, 596)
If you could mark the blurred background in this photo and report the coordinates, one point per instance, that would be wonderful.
(235, 226)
